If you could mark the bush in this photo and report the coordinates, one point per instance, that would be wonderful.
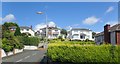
(29, 40)
(9, 45)
(6, 45)
(78, 54)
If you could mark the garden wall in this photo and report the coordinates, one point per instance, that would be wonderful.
(4, 54)
(30, 47)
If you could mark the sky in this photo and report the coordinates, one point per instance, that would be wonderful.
(89, 15)
(60, 0)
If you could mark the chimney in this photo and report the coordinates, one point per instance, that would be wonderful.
(106, 33)
(31, 27)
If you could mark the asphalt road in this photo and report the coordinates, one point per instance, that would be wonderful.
(26, 57)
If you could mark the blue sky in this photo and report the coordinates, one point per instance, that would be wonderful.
(75, 14)
(60, 0)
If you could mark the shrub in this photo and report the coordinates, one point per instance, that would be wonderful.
(78, 54)
(6, 45)
(29, 40)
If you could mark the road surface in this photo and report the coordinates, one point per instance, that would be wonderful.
(26, 57)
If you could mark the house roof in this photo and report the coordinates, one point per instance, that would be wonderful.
(24, 27)
(51, 28)
(81, 29)
(100, 34)
(115, 28)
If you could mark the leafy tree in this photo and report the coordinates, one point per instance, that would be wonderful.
(63, 31)
(6, 25)
(93, 34)
(9, 41)
(17, 32)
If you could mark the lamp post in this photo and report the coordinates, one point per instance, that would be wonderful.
(46, 28)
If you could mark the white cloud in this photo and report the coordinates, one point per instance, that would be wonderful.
(39, 26)
(91, 20)
(51, 24)
(111, 8)
(8, 18)
(112, 22)
(43, 25)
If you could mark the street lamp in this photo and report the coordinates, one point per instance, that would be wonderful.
(46, 26)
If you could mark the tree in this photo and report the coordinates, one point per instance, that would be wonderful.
(63, 31)
(93, 34)
(9, 40)
(17, 32)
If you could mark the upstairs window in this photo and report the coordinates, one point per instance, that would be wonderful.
(27, 29)
(56, 30)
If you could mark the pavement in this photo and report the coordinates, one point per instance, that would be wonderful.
(27, 57)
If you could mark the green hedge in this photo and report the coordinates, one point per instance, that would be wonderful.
(72, 42)
(29, 40)
(77, 54)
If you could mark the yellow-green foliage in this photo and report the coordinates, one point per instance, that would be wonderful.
(63, 52)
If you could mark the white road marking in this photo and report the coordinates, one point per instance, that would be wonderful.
(19, 60)
(27, 57)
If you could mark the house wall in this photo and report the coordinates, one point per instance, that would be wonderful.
(29, 31)
(52, 36)
(99, 39)
(113, 38)
(75, 34)
(118, 38)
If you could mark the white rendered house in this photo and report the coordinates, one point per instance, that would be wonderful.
(27, 30)
(53, 32)
(80, 34)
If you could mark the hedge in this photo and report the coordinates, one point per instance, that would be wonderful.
(78, 54)
(29, 40)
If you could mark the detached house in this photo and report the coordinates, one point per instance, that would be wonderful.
(27, 30)
(53, 32)
(109, 35)
(79, 34)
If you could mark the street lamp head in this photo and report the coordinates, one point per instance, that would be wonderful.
(39, 12)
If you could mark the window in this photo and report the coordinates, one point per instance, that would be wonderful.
(56, 30)
(75, 36)
(27, 29)
(55, 35)
(82, 36)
